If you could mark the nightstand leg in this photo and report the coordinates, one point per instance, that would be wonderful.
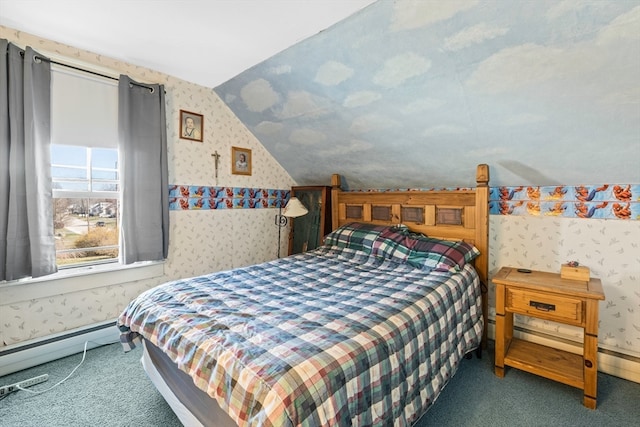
(591, 355)
(500, 345)
(504, 331)
(589, 402)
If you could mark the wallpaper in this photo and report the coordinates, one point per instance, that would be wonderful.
(611, 250)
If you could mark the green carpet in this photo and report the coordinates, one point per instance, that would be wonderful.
(111, 389)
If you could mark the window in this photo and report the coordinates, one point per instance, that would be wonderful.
(84, 168)
(85, 204)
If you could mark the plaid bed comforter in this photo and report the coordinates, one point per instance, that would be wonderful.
(331, 337)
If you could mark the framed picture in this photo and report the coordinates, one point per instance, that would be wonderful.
(191, 125)
(241, 161)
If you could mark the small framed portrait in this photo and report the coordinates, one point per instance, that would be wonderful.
(241, 161)
(191, 125)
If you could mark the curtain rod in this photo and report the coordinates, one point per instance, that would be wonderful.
(95, 73)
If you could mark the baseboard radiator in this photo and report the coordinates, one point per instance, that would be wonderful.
(42, 350)
(28, 354)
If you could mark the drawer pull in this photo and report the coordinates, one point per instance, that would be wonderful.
(542, 306)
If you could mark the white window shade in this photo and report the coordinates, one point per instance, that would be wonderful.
(84, 109)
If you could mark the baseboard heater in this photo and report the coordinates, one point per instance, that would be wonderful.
(38, 351)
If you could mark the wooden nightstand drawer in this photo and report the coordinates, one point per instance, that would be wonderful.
(550, 306)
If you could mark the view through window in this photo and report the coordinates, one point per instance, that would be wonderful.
(85, 204)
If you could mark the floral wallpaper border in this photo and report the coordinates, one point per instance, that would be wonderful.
(607, 201)
(200, 197)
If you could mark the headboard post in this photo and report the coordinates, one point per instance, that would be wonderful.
(482, 240)
(482, 220)
(336, 184)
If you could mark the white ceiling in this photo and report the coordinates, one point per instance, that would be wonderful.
(201, 41)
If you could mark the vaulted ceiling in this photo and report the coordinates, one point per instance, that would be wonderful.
(202, 41)
(416, 93)
(406, 93)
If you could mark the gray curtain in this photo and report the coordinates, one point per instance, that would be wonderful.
(143, 165)
(27, 245)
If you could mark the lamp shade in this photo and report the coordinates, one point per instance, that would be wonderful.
(294, 208)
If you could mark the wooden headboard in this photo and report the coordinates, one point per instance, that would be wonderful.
(447, 214)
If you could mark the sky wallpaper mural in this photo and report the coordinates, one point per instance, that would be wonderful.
(414, 94)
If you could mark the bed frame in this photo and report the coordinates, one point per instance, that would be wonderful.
(461, 214)
(453, 215)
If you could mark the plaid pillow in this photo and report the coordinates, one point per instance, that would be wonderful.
(441, 255)
(393, 244)
(401, 245)
(355, 235)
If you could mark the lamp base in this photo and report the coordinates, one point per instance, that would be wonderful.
(281, 221)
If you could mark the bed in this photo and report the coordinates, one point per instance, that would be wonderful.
(365, 330)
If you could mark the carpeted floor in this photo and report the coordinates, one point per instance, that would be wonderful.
(111, 389)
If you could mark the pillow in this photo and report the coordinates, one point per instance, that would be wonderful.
(393, 244)
(441, 255)
(399, 244)
(355, 235)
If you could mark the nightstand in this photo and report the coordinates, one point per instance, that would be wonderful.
(548, 296)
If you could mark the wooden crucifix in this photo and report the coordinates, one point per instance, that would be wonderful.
(216, 158)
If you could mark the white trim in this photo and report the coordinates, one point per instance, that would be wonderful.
(77, 194)
(42, 350)
(76, 279)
